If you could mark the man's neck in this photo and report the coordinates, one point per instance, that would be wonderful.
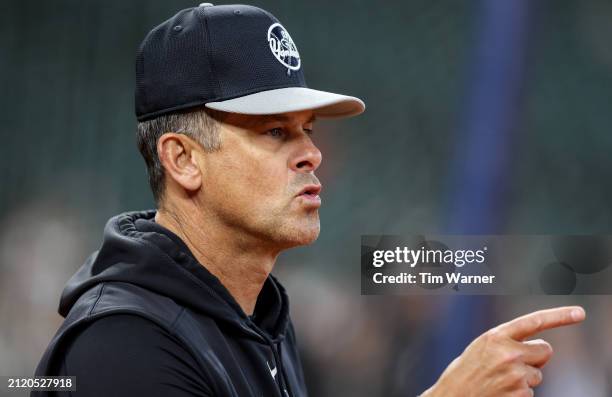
(240, 265)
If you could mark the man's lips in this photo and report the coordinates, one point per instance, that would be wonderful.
(310, 195)
(312, 190)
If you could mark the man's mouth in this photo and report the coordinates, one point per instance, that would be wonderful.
(310, 190)
(310, 194)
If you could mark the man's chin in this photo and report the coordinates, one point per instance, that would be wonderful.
(294, 231)
(300, 235)
(310, 238)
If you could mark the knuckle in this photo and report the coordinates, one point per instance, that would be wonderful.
(545, 345)
(544, 348)
(537, 323)
(536, 378)
(509, 356)
(494, 334)
(516, 376)
(548, 350)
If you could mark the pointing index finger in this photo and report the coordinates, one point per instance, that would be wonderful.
(533, 323)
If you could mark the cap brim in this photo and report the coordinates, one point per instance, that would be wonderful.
(292, 99)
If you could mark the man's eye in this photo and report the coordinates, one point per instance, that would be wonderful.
(276, 132)
(308, 131)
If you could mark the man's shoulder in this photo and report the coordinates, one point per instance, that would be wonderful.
(120, 329)
(125, 353)
(121, 297)
(121, 335)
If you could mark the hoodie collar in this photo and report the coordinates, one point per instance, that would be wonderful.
(138, 250)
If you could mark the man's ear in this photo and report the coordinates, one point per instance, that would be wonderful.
(178, 155)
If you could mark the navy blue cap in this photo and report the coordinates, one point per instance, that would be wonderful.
(232, 58)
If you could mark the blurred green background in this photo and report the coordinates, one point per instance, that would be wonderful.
(69, 162)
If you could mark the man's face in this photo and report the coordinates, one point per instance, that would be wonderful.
(261, 183)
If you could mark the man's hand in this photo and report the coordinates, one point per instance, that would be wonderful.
(500, 362)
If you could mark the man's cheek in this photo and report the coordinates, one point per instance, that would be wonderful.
(266, 182)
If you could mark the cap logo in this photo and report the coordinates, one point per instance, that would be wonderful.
(283, 48)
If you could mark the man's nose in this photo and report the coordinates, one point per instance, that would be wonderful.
(307, 158)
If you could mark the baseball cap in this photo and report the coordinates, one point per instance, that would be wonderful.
(232, 58)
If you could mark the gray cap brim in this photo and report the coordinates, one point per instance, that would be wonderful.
(292, 99)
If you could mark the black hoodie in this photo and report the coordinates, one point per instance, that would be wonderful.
(145, 285)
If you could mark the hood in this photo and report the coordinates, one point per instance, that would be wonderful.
(137, 250)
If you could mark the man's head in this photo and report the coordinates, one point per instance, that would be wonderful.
(251, 174)
(225, 122)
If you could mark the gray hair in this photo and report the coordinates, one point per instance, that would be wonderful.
(199, 124)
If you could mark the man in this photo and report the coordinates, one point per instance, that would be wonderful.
(180, 301)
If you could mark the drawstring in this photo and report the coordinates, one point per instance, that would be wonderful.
(277, 353)
(280, 360)
(276, 350)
